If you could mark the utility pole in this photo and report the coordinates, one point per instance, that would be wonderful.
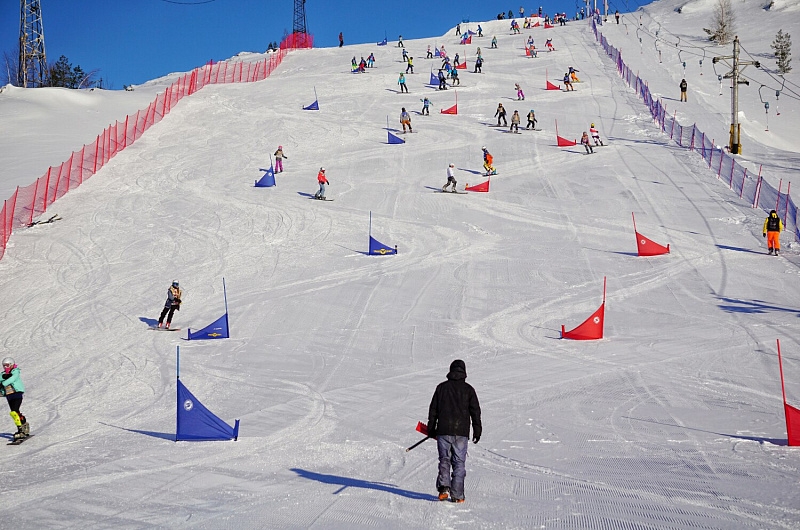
(299, 17)
(737, 67)
(32, 66)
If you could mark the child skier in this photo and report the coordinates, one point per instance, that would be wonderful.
(426, 103)
(487, 162)
(531, 120)
(454, 79)
(573, 73)
(279, 156)
(500, 114)
(172, 304)
(13, 389)
(442, 80)
(494, 42)
(405, 55)
(371, 60)
(478, 65)
(322, 180)
(515, 119)
(549, 44)
(400, 41)
(402, 82)
(595, 135)
(405, 119)
(567, 83)
(772, 231)
(585, 142)
(520, 93)
(456, 60)
(451, 178)
(410, 65)
(429, 53)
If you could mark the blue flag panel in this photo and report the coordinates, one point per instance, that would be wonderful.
(267, 180)
(196, 423)
(216, 330)
(378, 248)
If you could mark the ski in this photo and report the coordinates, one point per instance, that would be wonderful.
(20, 440)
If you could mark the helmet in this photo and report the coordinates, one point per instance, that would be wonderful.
(452, 165)
(9, 361)
(592, 125)
(322, 169)
(531, 110)
(174, 283)
(483, 148)
(280, 147)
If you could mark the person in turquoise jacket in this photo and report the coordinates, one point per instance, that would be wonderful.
(13, 389)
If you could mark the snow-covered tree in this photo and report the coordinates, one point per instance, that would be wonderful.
(783, 51)
(722, 23)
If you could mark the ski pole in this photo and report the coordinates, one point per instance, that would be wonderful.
(418, 443)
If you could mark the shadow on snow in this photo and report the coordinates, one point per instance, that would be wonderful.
(346, 482)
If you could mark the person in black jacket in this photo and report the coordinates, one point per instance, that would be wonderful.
(453, 405)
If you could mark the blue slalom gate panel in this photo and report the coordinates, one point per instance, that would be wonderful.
(196, 423)
(267, 180)
(378, 248)
(395, 139)
(434, 79)
(216, 330)
(383, 42)
(313, 106)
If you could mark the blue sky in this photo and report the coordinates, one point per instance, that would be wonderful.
(132, 41)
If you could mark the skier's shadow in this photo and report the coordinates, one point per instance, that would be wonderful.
(149, 321)
(346, 482)
(304, 194)
(163, 435)
(473, 171)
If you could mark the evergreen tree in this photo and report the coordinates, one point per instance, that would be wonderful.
(722, 23)
(63, 74)
(783, 51)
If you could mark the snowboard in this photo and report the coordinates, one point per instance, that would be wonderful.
(156, 328)
(452, 192)
(18, 442)
(52, 219)
(489, 174)
(321, 199)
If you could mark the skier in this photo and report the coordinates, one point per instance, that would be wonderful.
(405, 119)
(478, 65)
(683, 86)
(430, 53)
(531, 120)
(400, 41)
(453, 406)
(426, 103)
(454, 79)
(515, 119)
(442, 80)
(402, 82)
(772, 231)
(567, 83)
(13, 389)
(500, 114)
(451, 178)
(410, 65)
(487, 162)
(172, 304)
(573, 74)
(279, 156)
(322, 180)
(494, 42)
(595, 135)
(586, 144)
(341, 39)
(520, 93)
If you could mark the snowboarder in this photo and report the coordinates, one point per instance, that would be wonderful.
(458, 30)
(429, 53)
(772, 231)
(456, 60)
(400, 41)
(515, 119)
(13, 389)
(478, 65)
(500, 114)
(586, 144)
(371, 60)
(567, 83)
(595, 135)
(402, 82)
(453, 406)
(405, 55)
(487, 162)
(410, 65)
(322, 180)
(405, 119)
(494, 42)
(616, 15)
(549, 44)
(442, 80)
(520, 93)
(454, 79)
(480, 32)
(279, 156)
(341, 39)
(531, 120)
(451, 178)
(683, 86)
(172, 304)
(426, 103)
(573, 74)
(362, 66)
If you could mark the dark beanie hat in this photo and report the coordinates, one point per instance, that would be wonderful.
(458, 366)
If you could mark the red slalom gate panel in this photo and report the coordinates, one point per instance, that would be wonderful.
(592, 327)
(482, 187)
(563, 142)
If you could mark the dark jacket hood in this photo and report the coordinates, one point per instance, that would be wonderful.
(458, 370)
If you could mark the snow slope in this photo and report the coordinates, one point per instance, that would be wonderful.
(673, 420)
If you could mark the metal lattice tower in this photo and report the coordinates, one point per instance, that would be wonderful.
(299, 16)
(32, 67)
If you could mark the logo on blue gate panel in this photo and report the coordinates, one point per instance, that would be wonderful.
(188, 405)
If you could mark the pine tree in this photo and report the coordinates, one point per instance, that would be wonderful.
(783, 51)
(722, 23)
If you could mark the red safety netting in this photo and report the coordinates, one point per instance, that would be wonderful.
(31, 201)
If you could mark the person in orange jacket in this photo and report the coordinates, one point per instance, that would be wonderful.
(772, 231)
(322, 182)
(487, 162)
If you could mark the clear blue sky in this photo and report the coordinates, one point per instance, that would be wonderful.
(133, 41)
